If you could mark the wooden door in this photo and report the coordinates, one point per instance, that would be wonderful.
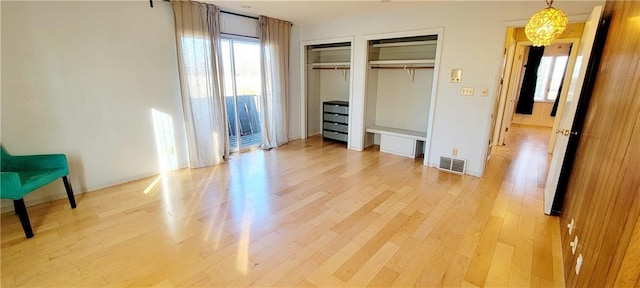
(569, 112)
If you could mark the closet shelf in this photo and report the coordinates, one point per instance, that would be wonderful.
(341, 48)
(330, 65)
(411, 43)
(403, 62)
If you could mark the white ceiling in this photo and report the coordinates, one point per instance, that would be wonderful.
(306, 12)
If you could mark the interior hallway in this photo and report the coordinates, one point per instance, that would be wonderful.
(310, 213)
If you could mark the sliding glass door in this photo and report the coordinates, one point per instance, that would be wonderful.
(241, 64)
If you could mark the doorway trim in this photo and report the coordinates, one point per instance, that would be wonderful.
(439, 32)
(512, 90)
(576, 18)
(303, 86)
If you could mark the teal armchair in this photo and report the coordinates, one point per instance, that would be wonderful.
(23, 174)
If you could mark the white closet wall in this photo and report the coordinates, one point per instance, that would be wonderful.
(401, 103)
(314, 106)
(334, 86)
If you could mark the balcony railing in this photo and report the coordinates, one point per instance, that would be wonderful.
(249, 118)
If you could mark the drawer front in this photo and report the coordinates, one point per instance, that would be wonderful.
(336, 109)
(335, 135)
(336, 127)
(336, 118)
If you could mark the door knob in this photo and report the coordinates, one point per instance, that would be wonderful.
(566, 132)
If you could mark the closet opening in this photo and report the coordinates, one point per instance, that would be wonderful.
(328, 90)
(400, 97)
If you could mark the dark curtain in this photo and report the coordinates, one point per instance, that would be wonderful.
(554, 110)
(528, 88)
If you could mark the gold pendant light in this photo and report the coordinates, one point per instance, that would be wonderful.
(546, 25)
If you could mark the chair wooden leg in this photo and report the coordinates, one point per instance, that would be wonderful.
(21, 210)
(67, 185)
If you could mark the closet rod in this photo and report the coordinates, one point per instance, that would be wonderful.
(331, 68)
(404, 68)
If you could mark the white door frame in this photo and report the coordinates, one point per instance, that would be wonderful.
(511, 96)
(514, 80)
(504, 90)
(434, 85)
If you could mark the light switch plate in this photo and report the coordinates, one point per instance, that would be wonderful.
(574, 245)
(466, 91)
(456, 75)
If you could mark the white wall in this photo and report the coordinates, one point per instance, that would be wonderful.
(82, 78)
(239, 25)
(473, 40)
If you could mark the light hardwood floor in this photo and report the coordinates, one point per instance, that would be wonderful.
(310, 213)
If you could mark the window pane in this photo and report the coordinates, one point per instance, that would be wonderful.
(557, 77)
(226, 66)
(247, 60)
(227, 84)
(543, 77)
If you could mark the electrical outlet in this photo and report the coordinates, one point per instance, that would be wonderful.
(454, 152)
(466, 91)
(579, 263)
(485, 92)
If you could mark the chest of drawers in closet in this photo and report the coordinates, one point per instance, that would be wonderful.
(335, 120)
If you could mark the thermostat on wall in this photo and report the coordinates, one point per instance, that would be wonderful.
(456, 75)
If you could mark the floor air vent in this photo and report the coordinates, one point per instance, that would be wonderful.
(452, 164)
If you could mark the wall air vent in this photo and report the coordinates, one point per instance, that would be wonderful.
(453, 165)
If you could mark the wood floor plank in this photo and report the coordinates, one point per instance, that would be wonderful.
(500, 268)
(384, 278)
(481, 261)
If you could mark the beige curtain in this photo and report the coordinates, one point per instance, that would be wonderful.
(274, 47)
(199, 67)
